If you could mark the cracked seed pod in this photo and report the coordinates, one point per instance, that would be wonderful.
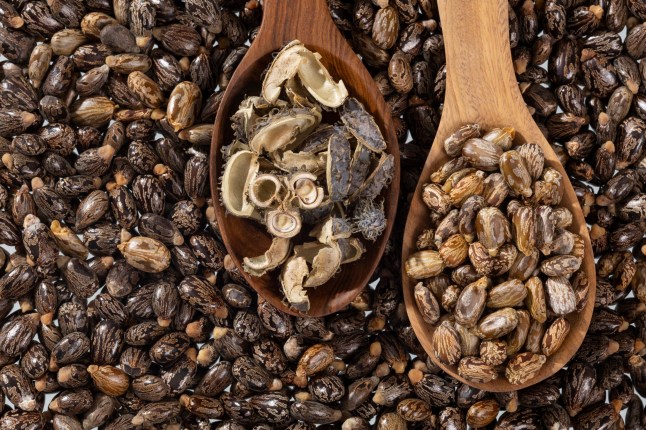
(331, 229)
(362, 125)
(283, 67)
(377, 180)
(277, 132)
(492, 228)
(238, 173)
(324, 266)
(265, 190)
(359, 167)
(283, 221)
(351, 249)
(317, 80)
(145, 254)
(272, 258)
(292, 277)
(290, 161)
(338, 167)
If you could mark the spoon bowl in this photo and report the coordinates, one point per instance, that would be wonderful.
(310, 22)
(481, 88)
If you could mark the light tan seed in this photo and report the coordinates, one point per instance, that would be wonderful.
(535, 336)
(534, 158)
(503, 137)
(109, 379)
(524, 367)
(555, 336)
(482, 413)
(524, 229)
(146, 89)
(424, 264)
(493, 352)
(480, 258)
(476, 370)
(454, 143)
(469, 341)
(515, 172)
(471, 185)
(535, 301)
(436, 199)
(482, 154)
(560, 295)
(184, 105)
(446, 344)
(505, 294)
(146, 254)
(454, 250)
(561, 265)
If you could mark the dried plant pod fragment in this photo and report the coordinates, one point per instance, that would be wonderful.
(317, 80)
(238, 173)
(283, 67)
(362, 125)
(284, 130)
(324, 265)
(338, 167)
(276, 254)
(283, 221)
(292, 277)
(265, 190)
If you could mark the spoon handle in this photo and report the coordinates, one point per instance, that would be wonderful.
(306, 20)
(480, 81)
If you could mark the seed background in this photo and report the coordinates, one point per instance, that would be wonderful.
(418, 109)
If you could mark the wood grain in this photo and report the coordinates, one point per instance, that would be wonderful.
(308, 21)
(481, 88)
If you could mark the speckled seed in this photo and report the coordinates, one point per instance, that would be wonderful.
(524, 367)
(169, 347)
(109, 379)
(146, 254)
(156, 413)
(555, 336)
(482, 413)
(446, 344)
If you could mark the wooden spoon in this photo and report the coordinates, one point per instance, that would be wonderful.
(481, 88)
(310, 22)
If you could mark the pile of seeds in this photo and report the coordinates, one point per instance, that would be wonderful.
(379, 373)
(499, 258)
(286, 168)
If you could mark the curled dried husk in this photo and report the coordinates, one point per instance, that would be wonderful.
(331, 230)
(307, 195)
(351, 249)
(284, 221)
(284, 130)
(275, 256)
(291, 161)
(292, 277)
(324, 265)
(283, 67)
(318, 82)
(238, 173)
(265, 190)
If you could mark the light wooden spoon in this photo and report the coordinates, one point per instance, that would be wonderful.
(481, 88)
(308, 21)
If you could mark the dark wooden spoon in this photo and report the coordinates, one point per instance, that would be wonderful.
(481, 88)
(308, 21)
